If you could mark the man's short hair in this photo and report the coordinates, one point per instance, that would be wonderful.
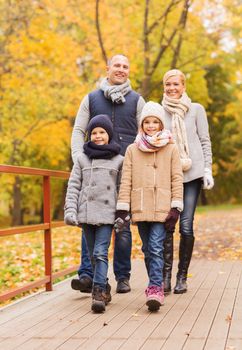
(111, 58)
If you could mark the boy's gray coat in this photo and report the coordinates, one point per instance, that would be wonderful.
(92, 189)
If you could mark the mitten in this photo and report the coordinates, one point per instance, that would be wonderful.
(70, 219)
(122, 219)
(172, 219)
(208, 181)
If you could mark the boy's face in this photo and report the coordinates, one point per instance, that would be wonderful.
(99, 136)
(151, 125)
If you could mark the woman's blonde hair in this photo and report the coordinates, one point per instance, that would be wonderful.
(172, 73)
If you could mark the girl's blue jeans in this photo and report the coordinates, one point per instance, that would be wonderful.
(153, 235)
(98, 240)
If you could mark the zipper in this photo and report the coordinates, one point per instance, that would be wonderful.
(155, 189)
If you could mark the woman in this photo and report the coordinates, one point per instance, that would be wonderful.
(189, 126)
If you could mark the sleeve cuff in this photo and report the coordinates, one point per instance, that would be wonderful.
(177, 204)
(123, 206)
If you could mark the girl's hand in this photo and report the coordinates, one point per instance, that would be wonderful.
(122, 219)
(172, 219)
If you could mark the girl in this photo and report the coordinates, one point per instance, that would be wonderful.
(188, 123)
(91, 200)
(151, 188)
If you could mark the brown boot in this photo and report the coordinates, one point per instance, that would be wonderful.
(99, 299)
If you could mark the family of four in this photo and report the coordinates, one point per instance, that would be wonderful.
(145, 161)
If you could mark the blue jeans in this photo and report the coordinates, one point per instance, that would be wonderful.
(191, 191)
(121, 260)
(153, 235)
(98, 240)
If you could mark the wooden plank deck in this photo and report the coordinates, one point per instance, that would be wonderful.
(208, 317)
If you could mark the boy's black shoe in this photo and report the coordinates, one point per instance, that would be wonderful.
(123, 286)
(83, 284)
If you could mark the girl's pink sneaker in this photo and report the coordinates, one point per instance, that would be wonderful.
(154, 297)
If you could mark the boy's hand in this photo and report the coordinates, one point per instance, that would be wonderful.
(70, 219)
(122, 219)
(172, 219)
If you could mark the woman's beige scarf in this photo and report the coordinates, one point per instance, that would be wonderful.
(178, 108)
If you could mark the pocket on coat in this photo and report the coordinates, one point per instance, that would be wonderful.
(137, 200)
(163, 200)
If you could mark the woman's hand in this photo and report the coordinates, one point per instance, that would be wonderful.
(208, 181)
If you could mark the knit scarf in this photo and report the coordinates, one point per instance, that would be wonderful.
(108, 151)
(177, 108)
(153, 143)
(115, 93)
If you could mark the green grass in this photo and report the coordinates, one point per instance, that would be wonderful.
(206, 208)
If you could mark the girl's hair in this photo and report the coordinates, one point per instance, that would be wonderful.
(172, 73)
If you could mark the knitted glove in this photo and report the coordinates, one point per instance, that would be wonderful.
(172, 219)
(208, 181)
(70, 219)
(122, 219)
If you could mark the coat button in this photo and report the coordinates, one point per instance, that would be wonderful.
(108, 187)
(106, 202)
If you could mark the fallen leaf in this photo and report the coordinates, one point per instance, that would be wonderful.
(228, 318)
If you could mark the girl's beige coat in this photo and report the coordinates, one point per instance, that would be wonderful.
(151, 183)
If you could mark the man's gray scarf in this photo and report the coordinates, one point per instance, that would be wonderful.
(115, 93)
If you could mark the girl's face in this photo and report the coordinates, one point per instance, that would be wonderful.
(174, 87)
(151, 125)
(99, 136)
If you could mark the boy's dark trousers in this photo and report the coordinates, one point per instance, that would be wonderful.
(121, 259)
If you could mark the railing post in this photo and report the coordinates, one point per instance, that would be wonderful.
(47, 219)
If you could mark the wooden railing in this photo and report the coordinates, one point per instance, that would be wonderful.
(46, 226)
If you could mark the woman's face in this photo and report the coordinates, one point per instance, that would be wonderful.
(174, 87)
(151, 125)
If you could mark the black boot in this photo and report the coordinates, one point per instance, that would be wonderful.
(185, 254)
(168, 261)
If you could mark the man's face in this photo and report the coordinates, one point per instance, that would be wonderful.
(118, 70)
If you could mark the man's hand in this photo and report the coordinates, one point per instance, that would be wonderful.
(172, 219)
(122, 219)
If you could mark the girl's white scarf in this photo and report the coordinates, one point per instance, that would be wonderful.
(153, 143)
(115, 93)
(178, 108)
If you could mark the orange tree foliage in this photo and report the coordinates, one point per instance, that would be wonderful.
(51, 57)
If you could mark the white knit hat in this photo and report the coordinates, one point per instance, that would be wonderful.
(152, 109)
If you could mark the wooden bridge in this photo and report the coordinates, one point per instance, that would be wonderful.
(208, 316)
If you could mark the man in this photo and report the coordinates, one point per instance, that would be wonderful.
(123, 105)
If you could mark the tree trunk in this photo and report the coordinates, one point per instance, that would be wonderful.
(17, 217)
